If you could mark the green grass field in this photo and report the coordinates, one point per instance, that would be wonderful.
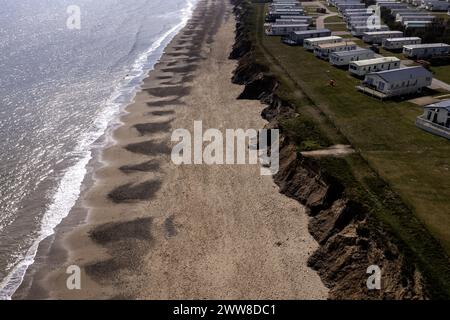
(387, 53)
(336, 27)
(412, 166)
(442, 73)
(334, 19)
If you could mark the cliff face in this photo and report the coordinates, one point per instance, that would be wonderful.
(350, 239)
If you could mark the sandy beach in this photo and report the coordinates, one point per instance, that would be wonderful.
(155, 230)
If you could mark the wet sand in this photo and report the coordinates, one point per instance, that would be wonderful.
(160, 231)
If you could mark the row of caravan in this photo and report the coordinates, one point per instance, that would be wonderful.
(412, 47)
(362, 19)
(283, 29)
(398, 43)
(384, 77)
(286, 16)
(336, 50)
(298, 37)
(344, 58)
(339, 52)
(284, 9)
(411, 17)
(324, 50)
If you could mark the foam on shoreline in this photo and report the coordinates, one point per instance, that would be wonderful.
(70, 186)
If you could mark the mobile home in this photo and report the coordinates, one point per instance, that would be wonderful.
(276, 14)
(285, 5)
(303, 19)
(289, 12)
(358, 31)
(354, 5)
(298, 17)
(346, 12)
(392, 5)
(399, 16)
(297, 37)
(404, 19)
(395, 12)
(275, 29)
(416, 24)
(397, 82)
(343, 58)
(398, 43)
(428, 50)
(363, 67)
(324, 50)
(436, 119)
(437, 5)
(379, 36)
(340, 2)
(410, 13)
(309, 44)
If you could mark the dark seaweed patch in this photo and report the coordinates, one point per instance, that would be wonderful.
(147, 128)
(170, 90)
(162, 112)
(132, 192)
(148, 148)
(163, 103)
(147, 166)
(118, 231)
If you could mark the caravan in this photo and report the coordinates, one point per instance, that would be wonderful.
(297, 37)
(310, 44)
(343, 58)
(363, 67)
(424, 51)
(358, 31)
(378, 36)
(398, 43)
(324, 50)
(275, 29)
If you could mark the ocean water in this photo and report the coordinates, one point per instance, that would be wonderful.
(60, 89)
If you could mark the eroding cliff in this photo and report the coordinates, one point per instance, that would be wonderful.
(350, 238)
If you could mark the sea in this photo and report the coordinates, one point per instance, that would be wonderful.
(68, 68)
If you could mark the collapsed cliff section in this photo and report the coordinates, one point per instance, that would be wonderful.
(350, 238)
